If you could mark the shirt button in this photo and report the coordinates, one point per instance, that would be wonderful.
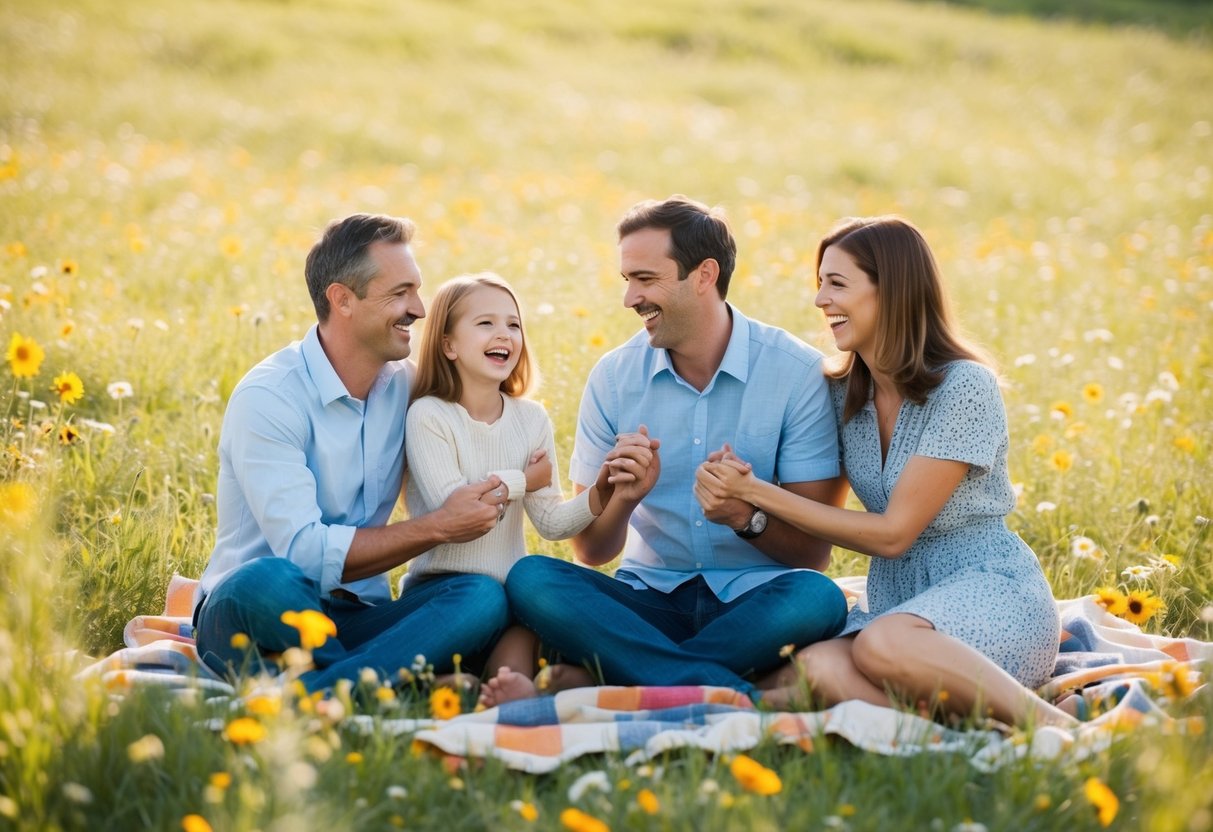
(699, 566)
(698, 522)
(697, 442)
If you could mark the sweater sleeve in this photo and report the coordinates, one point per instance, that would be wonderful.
(554, 517)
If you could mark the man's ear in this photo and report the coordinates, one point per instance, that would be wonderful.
(705, 275)
(340, 298)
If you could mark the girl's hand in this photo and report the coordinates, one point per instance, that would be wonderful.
(538, 471)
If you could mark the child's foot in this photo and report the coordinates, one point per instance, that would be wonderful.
(507, 686)
(557, 677)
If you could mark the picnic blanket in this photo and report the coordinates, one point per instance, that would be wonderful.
(1127, 677)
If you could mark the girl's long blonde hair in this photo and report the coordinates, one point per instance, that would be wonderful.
(436, 374)
(916, 334)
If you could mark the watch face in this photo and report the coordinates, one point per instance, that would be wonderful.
(758, 522)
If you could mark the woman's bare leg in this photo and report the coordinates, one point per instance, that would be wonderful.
(823, 674)
(913, 658)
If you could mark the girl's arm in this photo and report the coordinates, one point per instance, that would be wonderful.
(554, 517)
(921, 492)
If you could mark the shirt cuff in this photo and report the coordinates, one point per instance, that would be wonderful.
(336, 546)
(514, 480)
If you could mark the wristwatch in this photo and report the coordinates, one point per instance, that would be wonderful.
(755, 526)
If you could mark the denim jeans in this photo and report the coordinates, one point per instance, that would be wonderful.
(438, 618)
(686, 637)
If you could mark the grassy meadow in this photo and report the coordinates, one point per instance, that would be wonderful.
(165, 167)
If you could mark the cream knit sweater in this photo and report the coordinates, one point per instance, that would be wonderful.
(447, 448)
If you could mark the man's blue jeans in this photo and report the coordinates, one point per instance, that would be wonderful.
(686, 637)
(435, 619)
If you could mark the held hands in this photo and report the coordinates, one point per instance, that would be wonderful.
(473, 509)
(721, 487)
(538, 471)
(633, 465)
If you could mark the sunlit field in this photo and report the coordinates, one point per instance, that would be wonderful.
(165, 167)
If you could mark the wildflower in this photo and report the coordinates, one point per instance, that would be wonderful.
(68, 266)
(1200, 520)
(1168, 381)
(1042, 443)
(1062, 460)
(1045, 506)
(1084, 548)
(590, 780)
(195, 823)
(314, 627)
(1042, 803)
(147, 747)
(1061, 410)
(67, 328)
(263, 705)
(397, 792)
(847, 810)
(444, 703)
(240, 641)
(787, 650)
(24, 356)
(1186, 443)
(1165, 563)
(576, 820)
(545, 308)
(1092, 392)
(597, 340)
(77, 793)
(580, 312)
(244, 731)
(69, 387)
(1137, 573)
(354, 758)
(754, 776)
(119, 390)
(525, 809)
(135, 324)
(648, 802)
(17, 503)
(68, 434)
(231, 246)
(1112, 600)
(238, 310)
(1102, 335)
(220, 779)
(1142, 605)
(1103, 799)
(16, 249)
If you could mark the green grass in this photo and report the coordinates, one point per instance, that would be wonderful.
(165, 166)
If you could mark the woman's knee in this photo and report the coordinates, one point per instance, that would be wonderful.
(881, 651)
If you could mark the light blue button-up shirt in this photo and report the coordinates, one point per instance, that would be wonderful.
(303, 464)
(768, 400)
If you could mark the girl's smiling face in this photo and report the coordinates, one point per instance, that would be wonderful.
(847, 296)
(485, 340)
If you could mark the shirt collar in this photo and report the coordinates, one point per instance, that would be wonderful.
(320, 369)
(736, 360)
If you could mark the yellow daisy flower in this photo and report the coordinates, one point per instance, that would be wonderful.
(1092, 392)
(195, 823)
(244, 731)
(576, 820)
(1103, 799)
(24, 356)
(1062, 460)
(1112, 600)
(648, 802)
(754, 776)
(1141, 606)
(1062, 409)
(17, 502)
(68, 434)
(444, 703)
(314, 627)
(69, 387)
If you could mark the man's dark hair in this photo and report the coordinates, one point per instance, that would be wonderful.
(697, 232)
(342, 255)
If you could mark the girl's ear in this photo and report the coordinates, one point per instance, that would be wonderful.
(446, 348)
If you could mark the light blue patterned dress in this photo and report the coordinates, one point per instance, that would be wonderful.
(967, 573)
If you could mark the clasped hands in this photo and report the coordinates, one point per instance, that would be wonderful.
(722, 484)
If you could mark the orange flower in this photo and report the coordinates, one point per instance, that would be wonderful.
(648, 802)
(195, 823)
(576, 820)
(1103, 799)
(754, 776)
(244, 731)
(444, 703)
(314, 627)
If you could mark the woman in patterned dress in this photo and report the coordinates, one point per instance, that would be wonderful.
(959, 611)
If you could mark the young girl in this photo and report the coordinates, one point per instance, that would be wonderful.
(957, 602)
(468, 419)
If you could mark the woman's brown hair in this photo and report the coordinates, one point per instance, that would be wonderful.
(436, 374)
(916, 334)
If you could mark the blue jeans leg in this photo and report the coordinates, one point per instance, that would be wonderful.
(436, 619)
(250, 601)
(603, 623)
(747, 633)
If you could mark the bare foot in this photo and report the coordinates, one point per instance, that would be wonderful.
(507, 686)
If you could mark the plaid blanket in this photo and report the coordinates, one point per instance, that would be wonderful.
(1126, 677)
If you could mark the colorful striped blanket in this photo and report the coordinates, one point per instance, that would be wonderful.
(1128, 677)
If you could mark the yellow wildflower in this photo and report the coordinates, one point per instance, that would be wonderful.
(195, 823)
(1063, 409)
(24, 356)
(314, 627)
(1092, 392)
(576, 820)
(68, 266)
(17, 502)
(16, 249)
(244, 731)
(240, 641)
(262, 705)
(1186, 443)
(220, 779)
(1062, 460)
(1112, 600)
(354, 758)
(231, 246)
(68, 434)
(754, 776)
(67, 328)
(527, 811)
(69, 387)
(1141, 606)
(444, 703)
(1103, 799)
(1042, 444)
(648, 802)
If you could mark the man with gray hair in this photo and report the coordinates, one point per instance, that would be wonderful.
(311, 459)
